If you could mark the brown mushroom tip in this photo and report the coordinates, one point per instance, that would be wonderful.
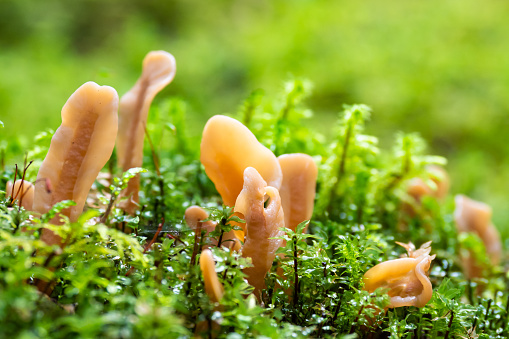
(227, 148)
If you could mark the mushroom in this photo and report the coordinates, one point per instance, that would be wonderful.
(195, 217)
(298, 188)
(437, 187)
(158, 71)
(263, 224)
(406, 278)
(22, 191)
(475, 216)
(213, 287)
(227, 148)
(79, 149)
(417, 188)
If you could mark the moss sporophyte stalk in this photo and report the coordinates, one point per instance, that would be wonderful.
(262, 229)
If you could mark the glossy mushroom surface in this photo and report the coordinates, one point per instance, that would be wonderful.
(79, 149)
(159, 69)
(406, 279)
(213, 287)
(227, 148)
(298, 188)
(262, 224)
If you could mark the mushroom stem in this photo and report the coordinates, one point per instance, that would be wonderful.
(159, 69)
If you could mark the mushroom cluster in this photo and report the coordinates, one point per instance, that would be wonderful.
(269, 193)
(84, 142)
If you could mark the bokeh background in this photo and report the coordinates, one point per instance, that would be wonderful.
(437, 67)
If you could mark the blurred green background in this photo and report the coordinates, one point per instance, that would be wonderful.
(437, 67)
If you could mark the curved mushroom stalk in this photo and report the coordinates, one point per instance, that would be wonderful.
(298, 188)
(22, 191)
(474, 216)
(262, 224)
(79, 149)
(159, 69)
(406, 279)
(227, 148)
(194, 217)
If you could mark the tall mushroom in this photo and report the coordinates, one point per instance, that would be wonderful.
(159, 69)
(262, 224)
(298, 187)
(475, 216)
(79, 149)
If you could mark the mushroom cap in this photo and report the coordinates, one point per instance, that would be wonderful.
(227, 149)
(406, 279)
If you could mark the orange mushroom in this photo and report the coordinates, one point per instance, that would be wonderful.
(298, 189)
(79, 149)
(406, 279)
(262, 225)
(475, 216)
(417, 188)
(227, 149)
(158, 71)
(213, 287)
(22, 191)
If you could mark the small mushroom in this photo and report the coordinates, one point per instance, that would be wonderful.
(227, 149)
(475, 216)
(79, 149)
(262, 225)
(213, 287)
(437, 187)
(194, 217)
(22, 191)
(159, 69)
(406, 279)
(298, 189)
(417, 188)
